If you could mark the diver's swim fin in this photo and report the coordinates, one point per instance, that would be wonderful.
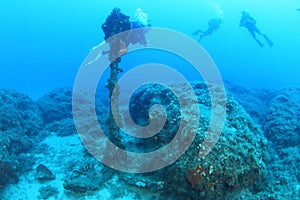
(200, 38)
(270, 43)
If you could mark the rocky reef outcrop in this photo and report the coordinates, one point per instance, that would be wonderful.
(236, 162)
(242, 163)
(283, 119)
(56, 105)
(20, 123)
(255, 101)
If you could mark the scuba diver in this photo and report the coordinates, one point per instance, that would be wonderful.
(139, 27)
(250, 23)
(213, 25)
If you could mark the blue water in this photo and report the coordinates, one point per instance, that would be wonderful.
(43, 43)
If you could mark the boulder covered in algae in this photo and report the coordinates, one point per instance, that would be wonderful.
(235, 163)
(56, 105)
(283, 119)
(20, 123)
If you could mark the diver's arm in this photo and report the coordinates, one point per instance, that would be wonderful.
(99, 53)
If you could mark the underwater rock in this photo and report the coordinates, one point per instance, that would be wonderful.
(86, 176)
(42, 173)
(14, 159)
(56, 105)
(20, 123)
(255, 101)
(64, 127)
(283, 120)
(141, 184)
(56, 108)
(139, 108)
(15, 149)
(283, 130)
(4, 144)
(15, 142)
(18, 111)
(236, 162)
(48, 191)
(7, 174)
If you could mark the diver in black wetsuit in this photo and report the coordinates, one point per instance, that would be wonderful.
(250, 23)
(213, 25)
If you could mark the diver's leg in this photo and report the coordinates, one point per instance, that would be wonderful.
(256, 30)
(270, 43)
(206, 33)
(197, 32)
(209, 31)
(201, 36)
(254, 36)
